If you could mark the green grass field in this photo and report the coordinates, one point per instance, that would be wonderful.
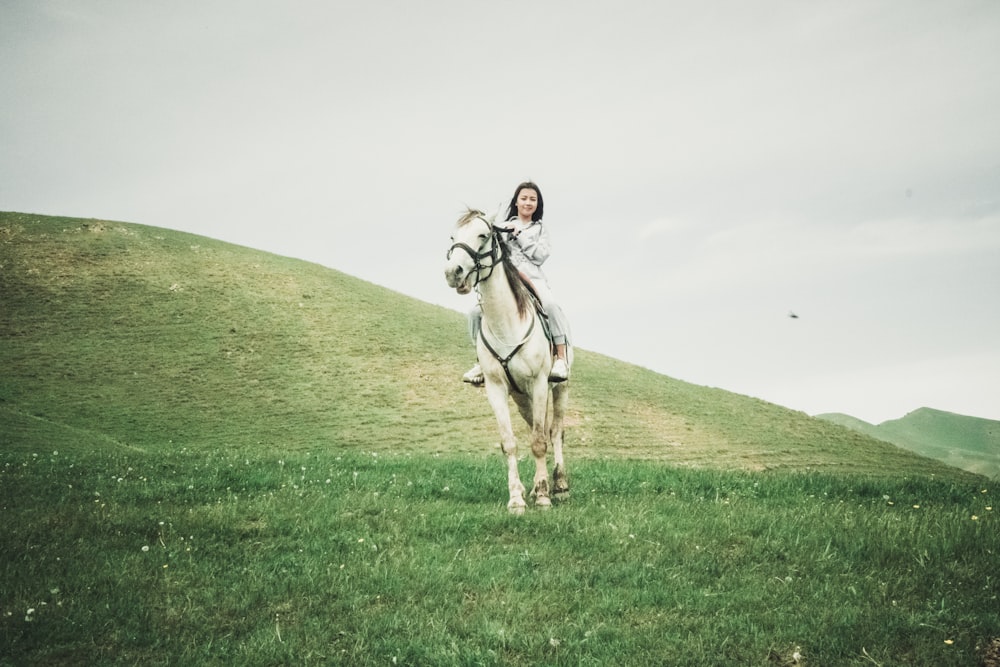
(318, 558)
(969, 443)
(212, 455)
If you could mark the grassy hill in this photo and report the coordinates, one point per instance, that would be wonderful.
(118, 334)
(969, 443)
(210, 455)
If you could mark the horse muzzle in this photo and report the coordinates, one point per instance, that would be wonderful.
(459, 279)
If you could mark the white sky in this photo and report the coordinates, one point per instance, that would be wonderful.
(707, 166)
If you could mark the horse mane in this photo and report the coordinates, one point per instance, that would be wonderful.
(470, 215)
(521, 295)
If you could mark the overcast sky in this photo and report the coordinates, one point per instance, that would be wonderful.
(707, 167)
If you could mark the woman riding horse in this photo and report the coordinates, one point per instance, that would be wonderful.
(515, 355)
(527, 241)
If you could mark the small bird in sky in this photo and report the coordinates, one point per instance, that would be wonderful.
(792, 315)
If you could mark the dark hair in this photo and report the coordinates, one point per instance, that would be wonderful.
(512, 207)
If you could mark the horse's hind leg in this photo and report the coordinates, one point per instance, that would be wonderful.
(560, 480)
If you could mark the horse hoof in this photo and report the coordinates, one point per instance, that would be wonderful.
(560, 481)
(516, 506)
(543, 503)
(561, 496)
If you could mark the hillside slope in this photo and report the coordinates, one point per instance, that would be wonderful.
(122, 335)
(970, 443)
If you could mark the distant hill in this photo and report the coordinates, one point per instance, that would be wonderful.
(122, 335)
(970, 443)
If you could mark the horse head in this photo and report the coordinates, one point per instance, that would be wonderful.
(472, 242)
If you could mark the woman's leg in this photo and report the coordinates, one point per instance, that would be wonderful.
(559, 327)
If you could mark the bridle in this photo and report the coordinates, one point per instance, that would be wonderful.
(494, 252)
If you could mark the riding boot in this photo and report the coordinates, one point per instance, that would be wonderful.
(474, 376)
(560, 369)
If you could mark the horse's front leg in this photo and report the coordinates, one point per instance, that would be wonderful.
(497, 396)
(540, 442)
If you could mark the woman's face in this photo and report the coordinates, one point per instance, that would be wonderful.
(527, 202)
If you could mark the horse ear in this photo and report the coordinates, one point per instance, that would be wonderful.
(496, 216)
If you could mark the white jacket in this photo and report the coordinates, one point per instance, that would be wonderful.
(530, 249)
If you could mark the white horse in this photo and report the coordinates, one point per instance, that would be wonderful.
(514, 353)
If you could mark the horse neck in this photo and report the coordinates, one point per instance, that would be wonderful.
(499, 305)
